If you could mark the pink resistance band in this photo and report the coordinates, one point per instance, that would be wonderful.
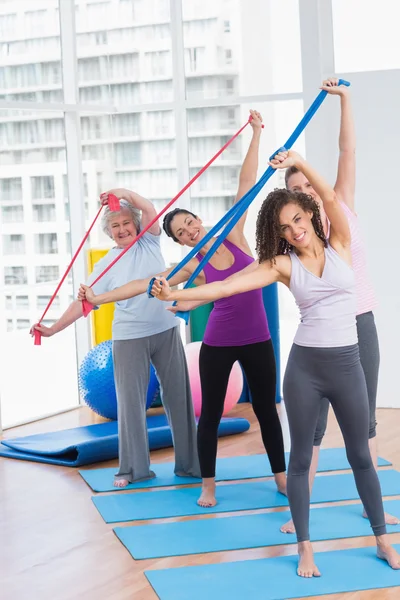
(114, 205)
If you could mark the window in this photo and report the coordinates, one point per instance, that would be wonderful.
(159, 122)
(372, 44)
(127, 154)
(14, 244)
(15, 276)
(42, 301)
(12, 214)
(47, 273)
(126, 125)
(46, 243)
(66, 194)
(44, 213)
(230, 86)
(9, 302)
(10, 326)
(22, 301)
(42, 187)
(227, 26)
(8, 25)
(11, 189)
(158, 63)
(194, 59)
(228, 57)
(23, 323)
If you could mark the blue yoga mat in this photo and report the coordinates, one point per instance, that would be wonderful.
(159, 504)
(95, 443)
(228, 469)
(276, 578)
(252, 531)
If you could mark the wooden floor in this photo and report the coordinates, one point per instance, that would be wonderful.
(54, 544)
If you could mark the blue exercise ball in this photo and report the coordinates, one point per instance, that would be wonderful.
(96, 382)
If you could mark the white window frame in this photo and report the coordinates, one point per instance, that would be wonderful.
(317, 61)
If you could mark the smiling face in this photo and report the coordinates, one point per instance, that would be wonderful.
(295, 225)
(297, 182)
(122, 228)
(187, 229)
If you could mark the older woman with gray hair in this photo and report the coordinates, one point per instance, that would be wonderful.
(143, 332)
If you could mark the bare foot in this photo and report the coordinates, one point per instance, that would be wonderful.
(207, 498)
(388, 553)
(288, 527)
(121, 483)
(280, 480)
(389, 519)
(307, 566)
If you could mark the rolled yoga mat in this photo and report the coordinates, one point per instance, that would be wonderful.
(159, 504)
(228, 469)
(95, 443)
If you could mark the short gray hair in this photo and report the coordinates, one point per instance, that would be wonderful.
(126, 206)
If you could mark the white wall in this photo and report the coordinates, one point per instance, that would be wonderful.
(376, 101)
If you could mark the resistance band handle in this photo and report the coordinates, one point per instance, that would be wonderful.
(37, 336)
(149, 287)
(87, 308)
(250, 120)
(344, 82)
(113, 203)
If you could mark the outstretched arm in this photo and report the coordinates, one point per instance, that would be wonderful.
(72, 314)
(248, 175)
(346, 174)
(145, 206)
(263, 275)
(129, 290)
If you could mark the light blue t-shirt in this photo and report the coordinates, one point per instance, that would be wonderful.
(140, 316)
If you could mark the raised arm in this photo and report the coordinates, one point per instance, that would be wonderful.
(145, 206)
(346, 174)
(339, 230)
(263, 275)
(248, 176)
(72, 314)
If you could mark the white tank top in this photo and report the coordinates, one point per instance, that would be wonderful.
(327, 305)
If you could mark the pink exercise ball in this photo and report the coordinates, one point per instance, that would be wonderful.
(235, 384)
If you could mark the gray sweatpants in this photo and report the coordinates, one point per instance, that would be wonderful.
(335, 373)
(368, 344)
(132, 360)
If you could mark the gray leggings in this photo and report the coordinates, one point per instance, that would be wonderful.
(368, 344)
(335, 373)
(131, 372)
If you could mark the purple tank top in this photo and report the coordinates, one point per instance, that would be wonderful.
(240, 319)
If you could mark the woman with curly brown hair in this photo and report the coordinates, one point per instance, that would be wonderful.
(324, 361)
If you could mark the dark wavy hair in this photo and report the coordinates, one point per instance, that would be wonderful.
(269, 240)
(169, 217)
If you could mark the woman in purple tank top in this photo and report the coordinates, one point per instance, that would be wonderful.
(237, 330)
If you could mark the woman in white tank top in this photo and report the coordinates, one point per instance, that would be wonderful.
(324, 361)
(368, 341)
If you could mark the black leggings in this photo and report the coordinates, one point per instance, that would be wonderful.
(258, 363)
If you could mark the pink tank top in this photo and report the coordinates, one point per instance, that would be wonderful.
(240, 319)
(366, 299)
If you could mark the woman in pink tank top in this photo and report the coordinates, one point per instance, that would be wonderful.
(365, 296)
(237, 330)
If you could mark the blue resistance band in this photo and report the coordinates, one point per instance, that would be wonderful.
(234, 214)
